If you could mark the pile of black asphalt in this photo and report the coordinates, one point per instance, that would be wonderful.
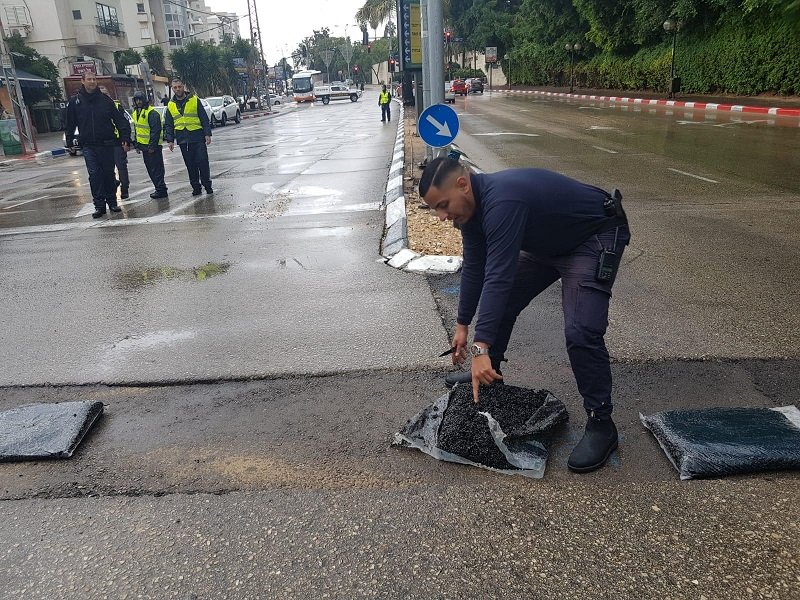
(522, 414)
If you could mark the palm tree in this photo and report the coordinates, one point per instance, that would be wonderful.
(375, 12)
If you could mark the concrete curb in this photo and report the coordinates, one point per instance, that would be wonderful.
(40, 157)
(265, 114)
(761, 110)
(394, 246)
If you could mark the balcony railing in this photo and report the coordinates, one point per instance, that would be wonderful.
(109, 27)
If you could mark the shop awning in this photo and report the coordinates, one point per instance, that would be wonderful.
(27, 80)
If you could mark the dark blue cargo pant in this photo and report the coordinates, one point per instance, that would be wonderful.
(195, 157)
(100, 165)
(585, 304)
(154, 163)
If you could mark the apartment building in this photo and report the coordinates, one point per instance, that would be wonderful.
(75, 34)
(145, 24)
(207, 25)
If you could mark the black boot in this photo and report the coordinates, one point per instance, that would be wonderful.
(459, 377)
(209, 189)
(123, 193)
(197, 191)
(158, 195)
(598, 442)
(98, 213)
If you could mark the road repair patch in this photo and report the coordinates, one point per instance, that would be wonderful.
(36, 431)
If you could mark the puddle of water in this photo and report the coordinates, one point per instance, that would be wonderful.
(153, 339)
(134, 279)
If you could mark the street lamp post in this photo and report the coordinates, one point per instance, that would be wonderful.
(673, 26)
(572, 49)
(508, 58)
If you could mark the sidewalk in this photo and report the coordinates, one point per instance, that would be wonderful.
(772, 105)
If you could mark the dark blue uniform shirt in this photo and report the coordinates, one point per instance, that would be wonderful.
(535, 210)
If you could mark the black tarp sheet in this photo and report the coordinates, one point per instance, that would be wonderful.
(37, 431)
(504, 432)
(714, 442)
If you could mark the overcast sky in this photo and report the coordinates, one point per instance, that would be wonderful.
(285, 22)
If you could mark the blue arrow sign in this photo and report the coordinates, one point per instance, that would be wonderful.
(438, 125)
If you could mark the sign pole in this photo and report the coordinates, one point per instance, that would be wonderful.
(436, 53)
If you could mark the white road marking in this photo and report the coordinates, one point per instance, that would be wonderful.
(86, 209)
(692, 175)
(601, 128)
(24, 202)
(605, 150)
(499, 133)
(589, 108)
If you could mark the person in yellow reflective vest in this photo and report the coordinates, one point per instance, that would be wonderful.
(149, 136)
(385, 102)
(186, 122)
(120, 155)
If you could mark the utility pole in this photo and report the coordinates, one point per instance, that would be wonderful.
(27, 141)
(255, 38)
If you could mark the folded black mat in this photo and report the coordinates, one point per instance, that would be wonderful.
(714, 442)
(38, 431)
(503, 432)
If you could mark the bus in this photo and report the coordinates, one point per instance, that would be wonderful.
(303, 85)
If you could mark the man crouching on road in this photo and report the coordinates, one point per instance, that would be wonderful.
(522, 230)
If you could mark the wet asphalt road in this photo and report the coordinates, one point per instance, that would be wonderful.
(291, 235)
(287, 487)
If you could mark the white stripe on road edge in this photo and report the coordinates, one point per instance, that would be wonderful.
(606, 150)
(692, 175)
(394, 183)
(24, 202)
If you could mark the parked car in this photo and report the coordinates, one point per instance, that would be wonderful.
(475, 86)
(75, 151)
(274, 99)
(459, 86)
(449, 96)
(224, 109)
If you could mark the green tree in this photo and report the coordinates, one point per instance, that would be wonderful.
(154, 55)
(199, 65)
(28, 59)
(123, 58)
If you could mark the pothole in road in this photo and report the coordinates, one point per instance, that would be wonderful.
(140, 278)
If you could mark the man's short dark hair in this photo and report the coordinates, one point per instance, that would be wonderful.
(176, 79)
(437, 171)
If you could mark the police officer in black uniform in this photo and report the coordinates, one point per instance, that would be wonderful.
(94, 115)
(149, 138)
(523, 230)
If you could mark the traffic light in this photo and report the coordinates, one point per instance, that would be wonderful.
(355, 69)
(364, 37)
(369, 48)
(447, 35)
(391, 65)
